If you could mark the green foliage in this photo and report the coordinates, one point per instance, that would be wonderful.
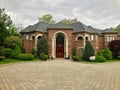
(2, 51)
(117, 28)
(43, 56)
(88, 51)
(16, 52)
(100, 58)
(42, 46)
(69, 21)
(22, 49)
(12, 42)
(74, 51)
(107, 54)
(76, 58)
(47, 18)
(8, 52)
(33, 51)
(6, 26)
(25, 57)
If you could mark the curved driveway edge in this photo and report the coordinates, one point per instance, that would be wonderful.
(60, 75)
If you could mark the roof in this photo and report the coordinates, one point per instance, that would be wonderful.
(59, 26)
(76, 27)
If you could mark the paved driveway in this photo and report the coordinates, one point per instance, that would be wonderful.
(60, 75)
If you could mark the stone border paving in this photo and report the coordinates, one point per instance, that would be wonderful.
(60, 75)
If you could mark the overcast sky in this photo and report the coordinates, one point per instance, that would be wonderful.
(97, 13)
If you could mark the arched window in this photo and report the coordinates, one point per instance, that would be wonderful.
(33, 37)
(86, 38)
(39, 37)
(80, 38)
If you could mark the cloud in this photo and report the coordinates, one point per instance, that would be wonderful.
(97, 13)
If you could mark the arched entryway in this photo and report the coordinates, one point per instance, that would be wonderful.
(60, 46)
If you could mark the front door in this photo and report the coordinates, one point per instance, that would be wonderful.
(60, 46)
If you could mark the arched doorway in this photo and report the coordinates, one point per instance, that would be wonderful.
(60, 46)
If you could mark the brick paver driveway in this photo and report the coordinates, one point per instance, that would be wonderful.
(60, 75)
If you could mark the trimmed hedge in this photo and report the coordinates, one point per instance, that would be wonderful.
(107, 54)
(76, 58)
(43, 56)
(25, 57)
(99, 58)
(16, 52)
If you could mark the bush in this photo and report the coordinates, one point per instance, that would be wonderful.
(33, 51)
(8, 52)
(99, 58)
(76, 58)
(22, 49)
(25, 57)
(74, 51)
(43, 56)
(88, 51)
(2, 51)
(107, 54)
(16, 52)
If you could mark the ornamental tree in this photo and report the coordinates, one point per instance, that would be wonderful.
(88, 51)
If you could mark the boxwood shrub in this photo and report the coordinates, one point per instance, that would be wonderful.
(100, 58)
(25, 57)
(76, 58)
(43, 56)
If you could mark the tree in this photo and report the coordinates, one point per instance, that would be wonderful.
(88, 51)
(69, 21)
(47, 18)
(115, 47)
(42, 46)
(6, 26)
(16, 52)
(117, 28)
(12, 42)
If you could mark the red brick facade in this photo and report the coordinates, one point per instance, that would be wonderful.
(99, 42)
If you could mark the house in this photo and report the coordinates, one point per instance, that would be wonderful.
(62, 38)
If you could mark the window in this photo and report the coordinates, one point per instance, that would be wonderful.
(27, 37)
(80, 38)
(92, 37)
(110, 38)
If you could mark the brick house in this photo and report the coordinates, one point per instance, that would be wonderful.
(62, 38)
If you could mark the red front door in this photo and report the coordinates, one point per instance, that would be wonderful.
(60, 50)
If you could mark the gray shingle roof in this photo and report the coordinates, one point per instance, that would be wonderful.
(60, 26)
(77, 27)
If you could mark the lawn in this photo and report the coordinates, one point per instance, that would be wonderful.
(8, 60)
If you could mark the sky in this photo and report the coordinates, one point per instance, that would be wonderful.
(100, 14)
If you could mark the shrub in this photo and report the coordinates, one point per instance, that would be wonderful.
(88, 51)
(22, 49)
(33, 51)
(115, 47)
(76, 58)
(42, 46)
(25, 57)
(12, 41)
(43, 56)
(2, 51)
(74, 51)
(8, 52)
(99, 58)
(16, 52)
(107, 54)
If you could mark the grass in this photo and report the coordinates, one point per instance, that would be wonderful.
(9, 60)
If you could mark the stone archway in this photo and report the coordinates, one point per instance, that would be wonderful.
(64, 48)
